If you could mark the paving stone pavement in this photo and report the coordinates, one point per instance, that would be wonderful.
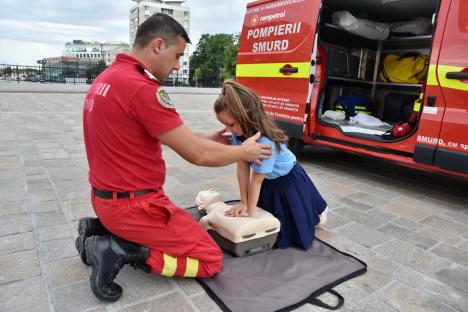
(410, 227)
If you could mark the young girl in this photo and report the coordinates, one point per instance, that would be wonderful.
(279, 185)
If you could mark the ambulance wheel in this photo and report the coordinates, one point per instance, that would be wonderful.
(295, 145)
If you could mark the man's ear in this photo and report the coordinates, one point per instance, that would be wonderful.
(157, 45)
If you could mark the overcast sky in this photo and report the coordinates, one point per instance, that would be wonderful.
(33, 29)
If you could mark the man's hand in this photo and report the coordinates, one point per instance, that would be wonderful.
(221, 136)
(255, 152)
(238, 210)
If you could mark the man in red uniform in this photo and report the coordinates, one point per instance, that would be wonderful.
(126, 118)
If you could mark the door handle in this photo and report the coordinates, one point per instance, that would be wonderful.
(456, 75)
(288, 69)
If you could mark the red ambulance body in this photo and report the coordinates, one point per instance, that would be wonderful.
(301, 64)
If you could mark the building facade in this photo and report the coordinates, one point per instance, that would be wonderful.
(111, 55)
(93, 50)
(144, 9)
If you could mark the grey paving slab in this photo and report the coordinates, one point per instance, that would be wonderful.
(16, 242)
(463, 245)
(397, 271)
(25, 295)
(451, 253)
(411, 209)
(449, 288)
(19, 265)
(170, 302)
(358, 299)
(75, 297)
(78, 208)
(363, 235)
(59, 249)
(372, 280)
(44, 206)
(404, 298)
(13, 208)
(335, 220)
(359, 217)
(50, 218)
(439, 235)
(15, 223)
(66, 271)
(12, 194)
(53, 232)
(446, 225)
(413, 257)
(204, 303)
(189, 286)
(409, 226)
(415, 239)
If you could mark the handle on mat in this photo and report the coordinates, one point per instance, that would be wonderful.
(322, 304)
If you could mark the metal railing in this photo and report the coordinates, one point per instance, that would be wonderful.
(69, 73)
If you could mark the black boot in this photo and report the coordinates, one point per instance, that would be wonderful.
(88, 227)
(107, 255)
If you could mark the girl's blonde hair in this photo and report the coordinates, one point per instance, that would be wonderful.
(246, 108)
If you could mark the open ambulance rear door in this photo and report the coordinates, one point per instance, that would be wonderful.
(275, 56)
(443, 132)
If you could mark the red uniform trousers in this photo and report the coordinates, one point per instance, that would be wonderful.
(179, 245)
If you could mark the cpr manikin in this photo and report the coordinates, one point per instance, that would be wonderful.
(237, 235)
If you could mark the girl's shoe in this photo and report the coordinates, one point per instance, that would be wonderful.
(323, 217)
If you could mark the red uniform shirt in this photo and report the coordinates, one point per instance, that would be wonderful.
(124, 111)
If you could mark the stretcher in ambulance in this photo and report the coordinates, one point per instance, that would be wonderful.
(385, 78)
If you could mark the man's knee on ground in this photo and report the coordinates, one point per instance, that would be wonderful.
(213, 266)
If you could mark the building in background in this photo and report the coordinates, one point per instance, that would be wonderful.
(90, 51)
(110, 55)
(67, 69)
(144, 9)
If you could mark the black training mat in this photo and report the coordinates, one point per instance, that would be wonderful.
(281, 279)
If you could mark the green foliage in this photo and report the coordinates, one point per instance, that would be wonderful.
(99, 68)
(8, 71)
(214, 59)
(92, 73)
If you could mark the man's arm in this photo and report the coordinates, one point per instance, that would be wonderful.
(204, 152)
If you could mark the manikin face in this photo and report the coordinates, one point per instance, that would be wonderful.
(168, 57)
(230, 123)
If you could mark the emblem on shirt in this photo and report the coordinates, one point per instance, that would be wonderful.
(164, 99)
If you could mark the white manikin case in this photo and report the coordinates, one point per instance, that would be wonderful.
(239, 236)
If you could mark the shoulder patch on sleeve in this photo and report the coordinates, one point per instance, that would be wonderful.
(163, 99)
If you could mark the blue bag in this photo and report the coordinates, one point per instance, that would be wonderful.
(352, 105)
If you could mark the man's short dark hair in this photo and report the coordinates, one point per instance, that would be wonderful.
(159, 25)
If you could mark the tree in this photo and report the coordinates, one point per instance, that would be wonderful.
(8, 71)
(92, 73)
(214, 59)
(99, 68)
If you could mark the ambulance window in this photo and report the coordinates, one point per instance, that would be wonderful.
(463, 16)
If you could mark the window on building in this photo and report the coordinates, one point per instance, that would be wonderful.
(185, 71)
(167, 11)
(185, 63)
(186, 14)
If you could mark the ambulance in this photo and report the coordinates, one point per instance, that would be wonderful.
(383, 78)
